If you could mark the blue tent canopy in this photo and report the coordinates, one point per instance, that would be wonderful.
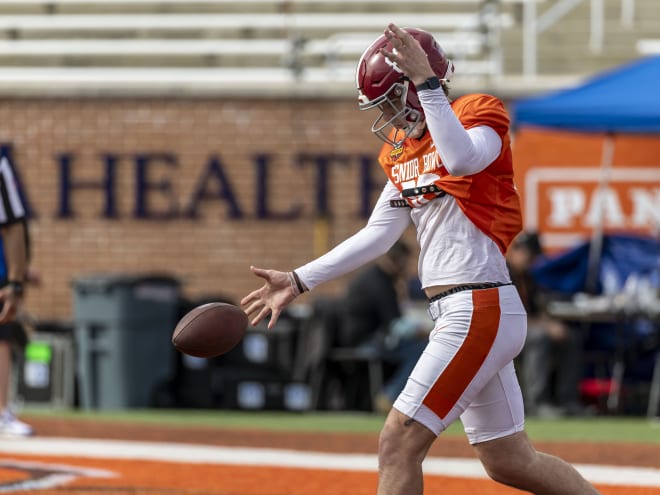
(622, 255)
(622, 100)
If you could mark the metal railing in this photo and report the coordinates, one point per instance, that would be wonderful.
(535, 24)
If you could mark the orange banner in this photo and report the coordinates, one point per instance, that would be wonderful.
(570, 184)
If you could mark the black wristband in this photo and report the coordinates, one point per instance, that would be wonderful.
(299, 284)
(431, 83)
(16, 287)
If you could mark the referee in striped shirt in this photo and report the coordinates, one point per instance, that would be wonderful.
(14, 236)
(13, 229)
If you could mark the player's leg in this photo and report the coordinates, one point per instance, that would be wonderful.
(513, 461)
(493, 423)
(402, 447)
(9, 424)
(5, 373)
(466, 349)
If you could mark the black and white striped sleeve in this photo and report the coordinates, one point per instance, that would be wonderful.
(11, 205)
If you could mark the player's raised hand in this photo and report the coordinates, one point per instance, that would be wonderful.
(275, 295)
(407, 54)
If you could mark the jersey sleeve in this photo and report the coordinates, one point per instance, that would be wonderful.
(386, 224)
(482, 110)
(464, 149)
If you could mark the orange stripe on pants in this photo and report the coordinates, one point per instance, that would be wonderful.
(458, 374)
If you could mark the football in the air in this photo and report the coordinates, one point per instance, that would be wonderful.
(210, 330)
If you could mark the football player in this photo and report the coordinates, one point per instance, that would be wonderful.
(449, 170)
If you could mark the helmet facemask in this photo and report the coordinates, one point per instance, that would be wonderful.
(394, 112)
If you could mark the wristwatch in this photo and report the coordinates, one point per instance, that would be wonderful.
(431, 83)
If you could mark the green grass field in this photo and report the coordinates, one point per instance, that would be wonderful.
(593, 429)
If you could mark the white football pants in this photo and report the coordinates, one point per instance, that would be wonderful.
(467, 368)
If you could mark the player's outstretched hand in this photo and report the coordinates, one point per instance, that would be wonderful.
(272, 297)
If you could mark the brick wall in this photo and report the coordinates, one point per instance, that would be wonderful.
(212, 252)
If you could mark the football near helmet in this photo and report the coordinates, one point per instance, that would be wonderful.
(382, 84)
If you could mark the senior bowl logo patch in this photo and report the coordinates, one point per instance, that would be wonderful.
(396, 153)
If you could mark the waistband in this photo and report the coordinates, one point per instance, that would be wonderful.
(459, 288)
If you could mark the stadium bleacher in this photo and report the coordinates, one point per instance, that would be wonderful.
(648, 46)
(180, 45)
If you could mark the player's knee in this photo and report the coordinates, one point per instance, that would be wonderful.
(512, 470)
(502, 471)
(390, 438)
(508, 466)
(402, 441)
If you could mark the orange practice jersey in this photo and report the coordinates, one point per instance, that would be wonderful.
(488, 198)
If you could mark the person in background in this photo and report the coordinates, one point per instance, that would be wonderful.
(14, 263)
(551, 360)
(449, 171)
(373, 319)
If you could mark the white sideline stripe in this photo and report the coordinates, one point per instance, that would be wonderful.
(205, 454)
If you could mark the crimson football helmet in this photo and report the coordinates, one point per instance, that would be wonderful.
(381, 83)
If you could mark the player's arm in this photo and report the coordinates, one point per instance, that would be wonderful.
(16, 257)
(385, 226)
(14, 237)
(463, 152)
(14, 240)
